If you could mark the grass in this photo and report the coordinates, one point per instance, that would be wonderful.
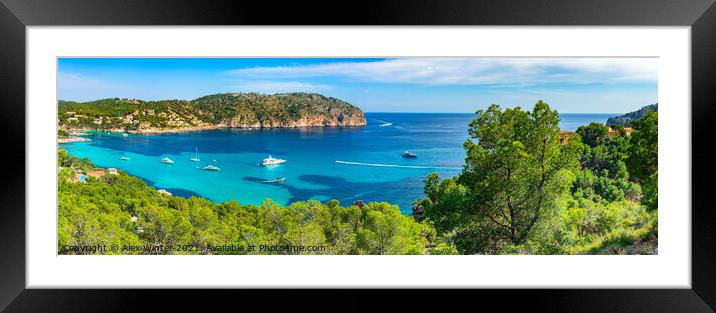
(642, 240)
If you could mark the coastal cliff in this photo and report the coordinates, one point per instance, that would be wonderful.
(626, 119)
(228, 110)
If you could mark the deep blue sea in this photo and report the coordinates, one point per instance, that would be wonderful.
(347, 164)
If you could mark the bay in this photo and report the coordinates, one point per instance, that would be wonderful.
(347, 164)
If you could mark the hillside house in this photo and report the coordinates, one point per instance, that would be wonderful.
(564, 136)
(96, 174)
(78, 177)
(615, 132)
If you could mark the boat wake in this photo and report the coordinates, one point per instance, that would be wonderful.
(384, 123)
(399, 166)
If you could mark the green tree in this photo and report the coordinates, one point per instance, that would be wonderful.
(162, 227)
(643, 156)
(386, 231)
(510, 181)
(593, 134)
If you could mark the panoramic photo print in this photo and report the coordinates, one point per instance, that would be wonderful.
(357, 156)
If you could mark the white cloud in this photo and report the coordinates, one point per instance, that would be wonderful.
(471, 71)
(280, 86)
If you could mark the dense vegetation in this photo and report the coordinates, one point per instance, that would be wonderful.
(228, 109)
(280, 108)
(521, 191)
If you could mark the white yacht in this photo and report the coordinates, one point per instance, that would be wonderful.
(210, 167)
(196, 157)
(272, 161)
(167, 160)
(125, 158)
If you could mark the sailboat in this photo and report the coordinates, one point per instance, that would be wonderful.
(196, 157)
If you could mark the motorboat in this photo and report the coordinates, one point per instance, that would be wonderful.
(272, 161)
(384, 123)
(167, 160)
(409, 155)
(210, 167)
(125, 158)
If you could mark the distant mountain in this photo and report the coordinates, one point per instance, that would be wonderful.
(626, 119)
(227, 110)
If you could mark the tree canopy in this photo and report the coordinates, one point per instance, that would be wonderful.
(643, 157)
(593, 134)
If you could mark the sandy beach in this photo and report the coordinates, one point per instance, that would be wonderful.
(72, 139)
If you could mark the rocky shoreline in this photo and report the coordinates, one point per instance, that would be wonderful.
(157, 131)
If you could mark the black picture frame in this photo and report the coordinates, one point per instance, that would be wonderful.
(16, 15)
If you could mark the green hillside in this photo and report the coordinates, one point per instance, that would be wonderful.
(243, 110)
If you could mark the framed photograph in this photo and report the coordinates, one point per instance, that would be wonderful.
(448, 146)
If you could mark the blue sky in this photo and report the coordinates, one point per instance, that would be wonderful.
(571, 85)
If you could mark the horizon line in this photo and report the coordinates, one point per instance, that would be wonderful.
(435, 112)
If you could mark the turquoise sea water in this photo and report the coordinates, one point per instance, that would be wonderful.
(347, 164)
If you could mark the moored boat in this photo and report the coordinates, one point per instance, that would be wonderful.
(272, 161)
(167, 160)
(210, 167)
(196, 156)
(409, 155)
